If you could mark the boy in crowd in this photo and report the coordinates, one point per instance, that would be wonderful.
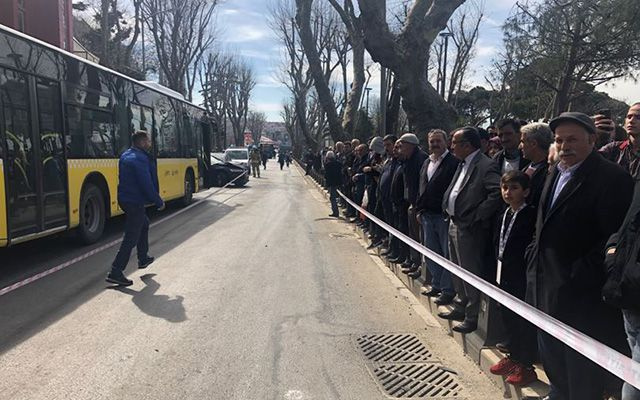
(517, 226)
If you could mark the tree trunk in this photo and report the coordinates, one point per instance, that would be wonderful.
(353, 101)
(406, 55)
(303, 19)
(393, 109)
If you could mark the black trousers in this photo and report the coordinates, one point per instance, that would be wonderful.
(401, 223)
(572, 376)
(136, 234)
(521, 336)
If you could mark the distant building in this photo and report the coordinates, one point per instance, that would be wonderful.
(277, 132)
(48, 20)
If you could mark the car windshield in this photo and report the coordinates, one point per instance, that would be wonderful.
(215, 159)
(237, 155)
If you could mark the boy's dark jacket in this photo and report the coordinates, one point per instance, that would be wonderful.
(514, 266)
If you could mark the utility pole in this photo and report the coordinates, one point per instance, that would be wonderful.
(446, 36)
(368, 89)
(383, 101)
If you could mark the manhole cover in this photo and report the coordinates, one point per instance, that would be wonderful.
(393, 348)
(417, 380)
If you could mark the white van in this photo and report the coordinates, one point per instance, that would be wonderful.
(238, 156)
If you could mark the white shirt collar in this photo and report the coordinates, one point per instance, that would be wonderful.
(471, 156)
(570, 170)
(434, 159)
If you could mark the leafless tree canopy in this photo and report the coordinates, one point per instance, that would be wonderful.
(182, 34)
(255, 124)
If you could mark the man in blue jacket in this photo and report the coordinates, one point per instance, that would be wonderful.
(137, 187)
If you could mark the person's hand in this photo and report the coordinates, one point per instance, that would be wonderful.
(419, 218)
(604, 125)
(162, 207)
(367, 169)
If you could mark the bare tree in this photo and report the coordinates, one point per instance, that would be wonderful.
(215, 77)
(353, 24)
(406, 54)
(295, 72)
(182, 34)
(464, 26)
(241, 83)
(309, 43)
(255, 124)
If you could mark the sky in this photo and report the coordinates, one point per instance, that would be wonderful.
(243, 28)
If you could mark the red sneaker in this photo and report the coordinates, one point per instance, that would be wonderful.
(522, 376)
(504, 367)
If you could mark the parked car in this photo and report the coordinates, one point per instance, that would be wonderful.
(223, 172)
(237, 156)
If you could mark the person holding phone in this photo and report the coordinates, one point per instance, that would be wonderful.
(625, 153)
(605, 127)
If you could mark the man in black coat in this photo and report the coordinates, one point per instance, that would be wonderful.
(583, 202)
(400, 207)
(435, 177)
(414, 157)
(535, 143)
(510, 157)
(333, 180)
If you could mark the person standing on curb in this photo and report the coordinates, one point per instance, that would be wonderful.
(333, 179)
(137, 186)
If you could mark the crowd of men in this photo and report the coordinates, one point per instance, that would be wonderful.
(547, 212)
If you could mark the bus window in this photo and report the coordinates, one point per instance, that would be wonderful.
(91, 133)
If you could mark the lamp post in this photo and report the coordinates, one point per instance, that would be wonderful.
(446, 36)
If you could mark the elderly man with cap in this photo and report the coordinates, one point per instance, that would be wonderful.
(471, 203)
(413, 157)
(372, 176)
(583, 202)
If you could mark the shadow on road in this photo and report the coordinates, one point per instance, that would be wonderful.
(156, 305)
(31, 309)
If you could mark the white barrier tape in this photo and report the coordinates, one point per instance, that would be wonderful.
(606, 357)
(36, 277)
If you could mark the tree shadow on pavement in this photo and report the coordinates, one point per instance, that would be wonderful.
(156, 305)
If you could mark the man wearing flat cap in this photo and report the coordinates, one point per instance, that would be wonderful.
(583, 202)
(413, 157)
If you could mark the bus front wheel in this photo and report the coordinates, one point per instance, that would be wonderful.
(92, 214)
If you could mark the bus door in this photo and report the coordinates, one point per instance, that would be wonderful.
(35, 173)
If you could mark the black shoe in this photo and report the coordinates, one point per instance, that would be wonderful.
(454, 315)
(503, 347)
(466, 327)
(334, 215)
(119, 280)
(386, 253)
(415, 274)
(146, 262)
(444, 299)
(396, 260)
(431, 293)
(458, 302)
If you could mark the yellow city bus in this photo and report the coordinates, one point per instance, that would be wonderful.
(64, 121)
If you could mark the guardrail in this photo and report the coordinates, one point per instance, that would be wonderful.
(613, 361)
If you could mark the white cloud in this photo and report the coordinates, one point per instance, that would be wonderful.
(247, 33)
(266, 107)
(486, 50)
(621, 89)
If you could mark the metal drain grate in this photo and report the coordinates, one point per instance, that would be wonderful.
(393, 348)
(428, 380)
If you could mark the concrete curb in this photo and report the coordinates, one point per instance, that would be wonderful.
(486, 357)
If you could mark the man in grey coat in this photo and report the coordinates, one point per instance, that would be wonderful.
(471, 202)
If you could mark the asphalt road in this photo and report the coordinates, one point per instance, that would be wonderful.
(255, 294)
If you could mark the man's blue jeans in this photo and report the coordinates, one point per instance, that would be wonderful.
(632, 327)
(435, 234)
(136, 234)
